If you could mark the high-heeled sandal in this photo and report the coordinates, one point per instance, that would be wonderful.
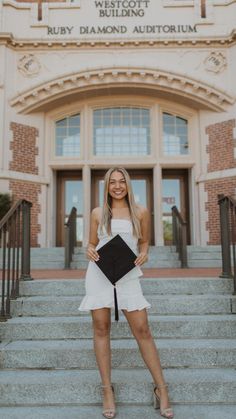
(166, 413)
(109, 413)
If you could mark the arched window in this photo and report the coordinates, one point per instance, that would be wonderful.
(68, 136)
(121, 131)
(175, 135)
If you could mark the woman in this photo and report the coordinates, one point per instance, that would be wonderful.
(120, 215)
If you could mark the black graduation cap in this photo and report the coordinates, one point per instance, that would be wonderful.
(116, 260)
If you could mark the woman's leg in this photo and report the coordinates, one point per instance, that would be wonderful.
(101, 338)
(138, 323)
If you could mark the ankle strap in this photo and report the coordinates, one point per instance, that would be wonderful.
(161, 385)
(107, 386)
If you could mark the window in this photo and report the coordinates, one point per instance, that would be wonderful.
(68, 136)
(175, 135)
(121, 131)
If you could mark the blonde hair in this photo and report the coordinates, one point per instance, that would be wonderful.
(107, 209)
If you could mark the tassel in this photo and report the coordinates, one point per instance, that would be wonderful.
(116, 305)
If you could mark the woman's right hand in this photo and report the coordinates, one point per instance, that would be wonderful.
(92, 254)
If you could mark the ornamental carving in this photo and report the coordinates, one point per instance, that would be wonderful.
(29, 65)
(155, 79)
(215, 62)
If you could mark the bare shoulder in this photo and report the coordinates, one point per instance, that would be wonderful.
(143, 213)
(96, 214)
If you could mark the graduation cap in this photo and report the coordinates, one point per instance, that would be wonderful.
(116, 259)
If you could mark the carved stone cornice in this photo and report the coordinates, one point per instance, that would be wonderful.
(161, 42)
(6, 38)
(153, 79)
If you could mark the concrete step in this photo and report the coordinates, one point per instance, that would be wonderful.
(158, 257)
(204, 255)
(151, 264)
(193, 411)
(194, 263)
(79, 354)
(149, 285)
(166, 256)
(81, 387)
(47, 258)
(44, 264)
(209, 248)
(45, 251)
(53, 258)
(153, 250)
(170, 304)
(208, 326)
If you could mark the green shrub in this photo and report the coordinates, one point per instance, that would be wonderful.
(5, 204)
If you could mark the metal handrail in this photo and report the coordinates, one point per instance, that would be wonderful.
(179, 230)
(15, 253)
(227, 206)
(70, 237)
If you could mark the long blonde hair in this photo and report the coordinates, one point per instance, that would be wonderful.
(107, 209)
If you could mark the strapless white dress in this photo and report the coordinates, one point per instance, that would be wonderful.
(99, 290)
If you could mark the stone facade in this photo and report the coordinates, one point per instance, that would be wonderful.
(68, 58)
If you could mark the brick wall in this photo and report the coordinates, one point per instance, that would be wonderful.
(24, 152)
(29, 191)
(221, 154)
(221, 146)
(226, 186)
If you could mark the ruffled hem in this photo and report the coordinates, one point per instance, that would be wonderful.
(125, 302)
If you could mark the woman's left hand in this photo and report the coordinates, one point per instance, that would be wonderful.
(142, 258)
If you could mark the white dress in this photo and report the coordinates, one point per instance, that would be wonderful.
(99, 290)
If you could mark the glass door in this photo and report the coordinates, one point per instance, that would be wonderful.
(174, 192)
(69, 194)
(142, 189)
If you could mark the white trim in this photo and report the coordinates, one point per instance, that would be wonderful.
(157, 205)
(203, 199)
(234, 133)
(193, 203)
(185, 114)
(86, 177)
(42, 201)
(221, 174)
(14, 175)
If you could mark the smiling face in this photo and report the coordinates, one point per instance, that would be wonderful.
(117, 187)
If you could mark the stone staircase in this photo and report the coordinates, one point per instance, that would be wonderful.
(204, 256)
(48, 368)
(159, 257)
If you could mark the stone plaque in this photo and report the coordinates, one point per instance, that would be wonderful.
(29, 65)
(215, 62)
